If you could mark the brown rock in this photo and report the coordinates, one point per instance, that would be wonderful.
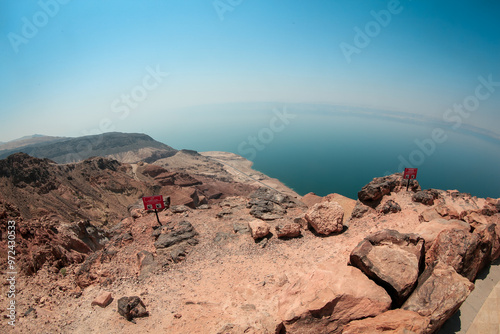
(464, 251)
(430, 230)
(326, 217)
(325, 300)
(428, 215)
(391, 259)
(490, 234)
(393, 321)
(132, 307)
(103, 300)
(390, 206)
(447, 211)
(425, 197)
(289, 230)
(258, 228)
(439, 293)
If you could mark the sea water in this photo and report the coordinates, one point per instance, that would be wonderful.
(323, 151)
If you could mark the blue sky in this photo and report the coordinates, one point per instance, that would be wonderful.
(67, 65)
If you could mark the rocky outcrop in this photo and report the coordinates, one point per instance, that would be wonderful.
(274, 196)
(173, 235)
(265, 210)
(269, 204)
(391, 259)
(132, 307)
(439, 293)
(326, 300)
(391, 322)
(259, 229)
(326, 218)
(372, 193)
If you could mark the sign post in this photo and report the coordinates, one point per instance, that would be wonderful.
(154, 203)
(410, 174)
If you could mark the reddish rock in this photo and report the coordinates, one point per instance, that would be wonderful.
(489, 234)
(259, 228)
(391, 259)
(464, 251)
(326, 300)
(428, 215)
(430, 230)
(289, 230)
(447, 211)
(326, 217)
(103, 300)
(310, 199)
(391, 322)
(439, 293)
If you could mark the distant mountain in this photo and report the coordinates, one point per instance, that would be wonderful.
(27, 140)
(124, 147)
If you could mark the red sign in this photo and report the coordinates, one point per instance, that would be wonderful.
(153, 202)
(410, 173)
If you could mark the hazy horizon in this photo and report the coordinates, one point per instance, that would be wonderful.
(76, 67)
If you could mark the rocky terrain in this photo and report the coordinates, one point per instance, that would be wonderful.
(230, 254)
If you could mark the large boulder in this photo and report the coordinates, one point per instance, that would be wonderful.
(466, 252)
(391, 259)
(430, 230)
(326, 217)
(439, 293)
(326, 300)
(391, 322)
(372, 193)
(259, 229)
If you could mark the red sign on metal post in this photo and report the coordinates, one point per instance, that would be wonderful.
(153, 202)
(410, 173)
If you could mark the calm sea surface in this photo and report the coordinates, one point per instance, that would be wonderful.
(319, 151)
